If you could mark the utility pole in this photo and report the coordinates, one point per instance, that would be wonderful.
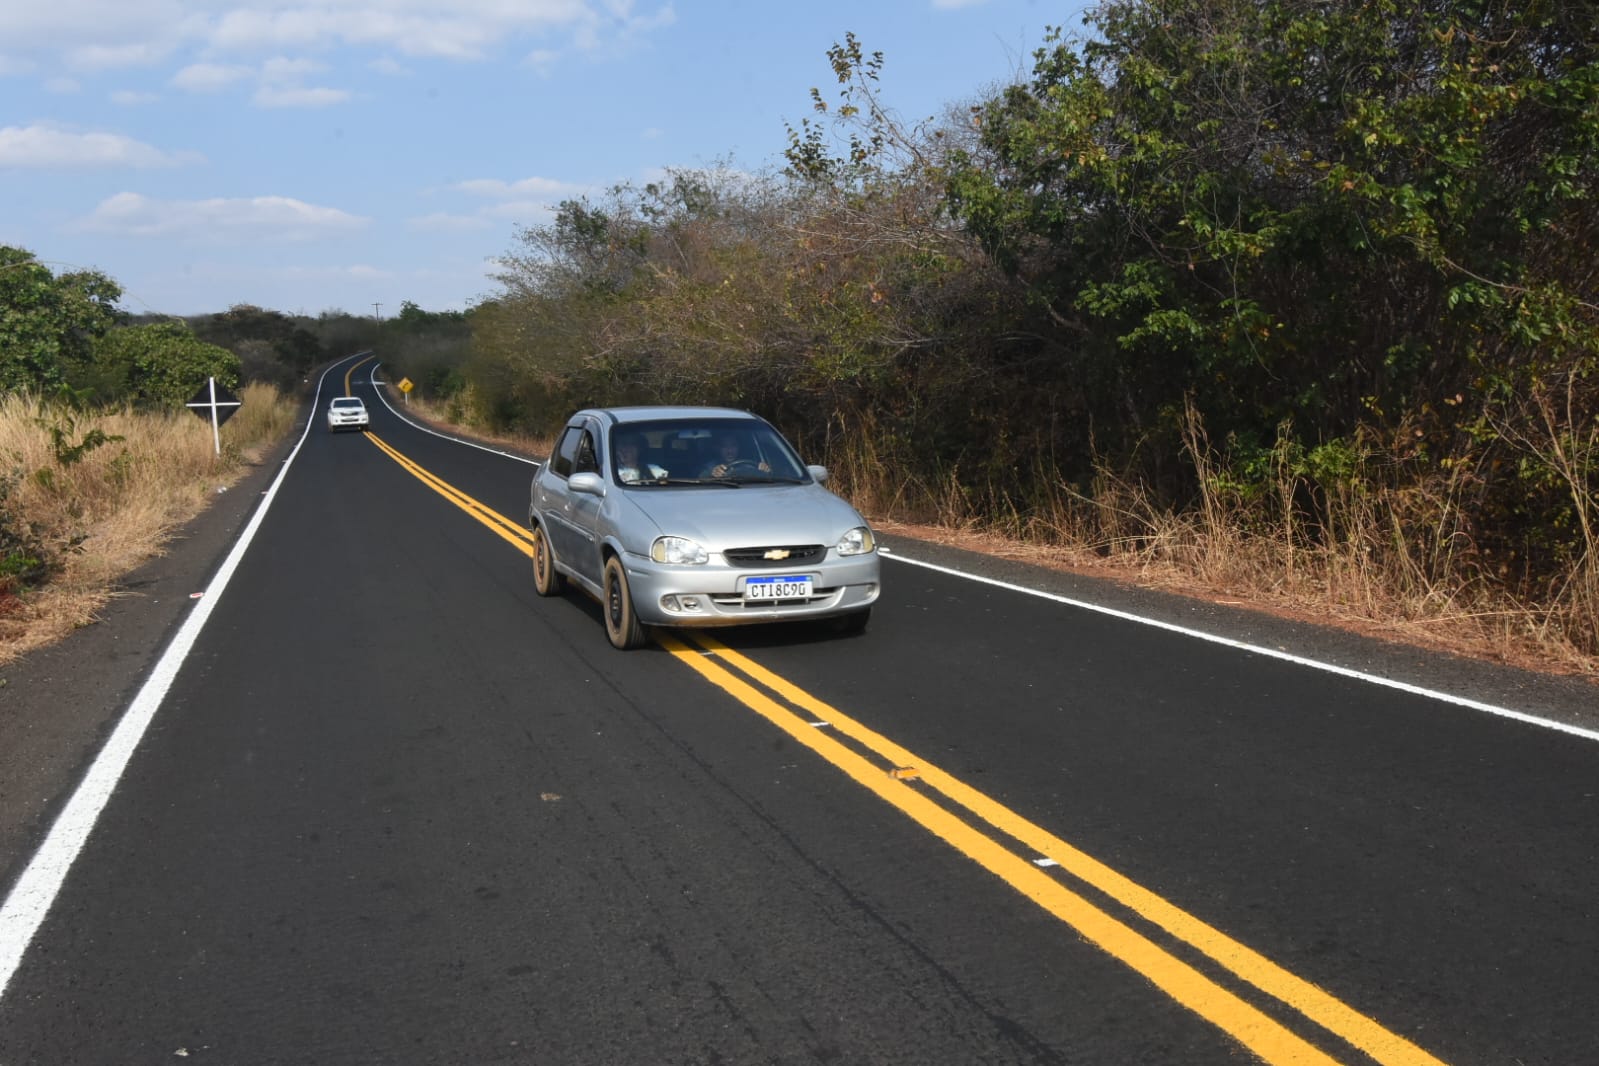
(377, 312)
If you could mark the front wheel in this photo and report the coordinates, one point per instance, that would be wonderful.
(621, 621)
(547, 581)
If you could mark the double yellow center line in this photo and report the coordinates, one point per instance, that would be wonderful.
(904, 780)
(513, 533)
(1023, 855)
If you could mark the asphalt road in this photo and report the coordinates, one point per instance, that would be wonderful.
(395, 808)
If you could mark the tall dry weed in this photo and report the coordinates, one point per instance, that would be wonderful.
(1383, 546)
(105, 490)
(454, 414)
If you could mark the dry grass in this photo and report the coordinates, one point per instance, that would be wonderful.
(118, 504)
(1386, 560)
(451, 417)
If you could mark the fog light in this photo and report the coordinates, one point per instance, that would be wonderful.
(669, 603)
(691, 603)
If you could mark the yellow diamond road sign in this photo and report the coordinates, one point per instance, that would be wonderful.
(405, 385)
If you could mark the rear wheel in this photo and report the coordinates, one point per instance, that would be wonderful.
(547, 581)
(621, 622)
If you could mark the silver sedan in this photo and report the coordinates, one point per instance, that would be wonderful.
(696, 516)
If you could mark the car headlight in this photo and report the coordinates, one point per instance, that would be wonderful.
(678, 551)
(857, 541)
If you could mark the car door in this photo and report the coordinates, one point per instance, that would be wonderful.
(569, 517)
(583, 509)
(552, 501)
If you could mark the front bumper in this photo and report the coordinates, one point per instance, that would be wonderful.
(713, 594)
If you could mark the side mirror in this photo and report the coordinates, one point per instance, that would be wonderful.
(819, 473)
(588, 484)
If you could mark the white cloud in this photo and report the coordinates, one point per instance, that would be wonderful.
(93, 35)
(280, 85)
(277, 82)
(63, 86)
(523, 211)
(45, 23)
(273, 218)
(109, 34)
(465, 30)
(388, 65)
(298, 96)
(542, 188)
(209, 77)
(282, 68)
(94, 57)
(443, 34)
(132, 98)
(53, 148)
(612, 32)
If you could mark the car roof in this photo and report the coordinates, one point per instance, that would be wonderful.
(624, 415)
(348, 400)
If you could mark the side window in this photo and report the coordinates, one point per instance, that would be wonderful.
(566, 451)
(585, 462)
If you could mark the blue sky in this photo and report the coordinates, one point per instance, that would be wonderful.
(314, 155)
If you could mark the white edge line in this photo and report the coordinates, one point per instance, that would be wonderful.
(1416, 690)
(1298, 660)
(397, 413)
(31, 898)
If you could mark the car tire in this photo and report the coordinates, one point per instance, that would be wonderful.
(547, 581)
(621, 621)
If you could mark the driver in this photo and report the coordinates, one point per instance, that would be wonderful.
(727, 451)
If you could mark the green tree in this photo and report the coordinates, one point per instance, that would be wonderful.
(1289, 210)
(49, 323)
(160, 363)
(296, 343)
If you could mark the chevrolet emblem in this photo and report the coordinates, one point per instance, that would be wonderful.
(776, 554)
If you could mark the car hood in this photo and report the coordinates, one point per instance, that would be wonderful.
(754, 515)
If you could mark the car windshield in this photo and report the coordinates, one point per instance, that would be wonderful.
(703, 451)
(351, 402)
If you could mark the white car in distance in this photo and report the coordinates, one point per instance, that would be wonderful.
(347, 412)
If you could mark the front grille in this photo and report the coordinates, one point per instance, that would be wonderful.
(797, 555)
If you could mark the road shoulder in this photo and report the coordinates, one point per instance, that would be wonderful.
(58, 704)
(1572, 701)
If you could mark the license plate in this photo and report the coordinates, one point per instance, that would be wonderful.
(777, 588)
